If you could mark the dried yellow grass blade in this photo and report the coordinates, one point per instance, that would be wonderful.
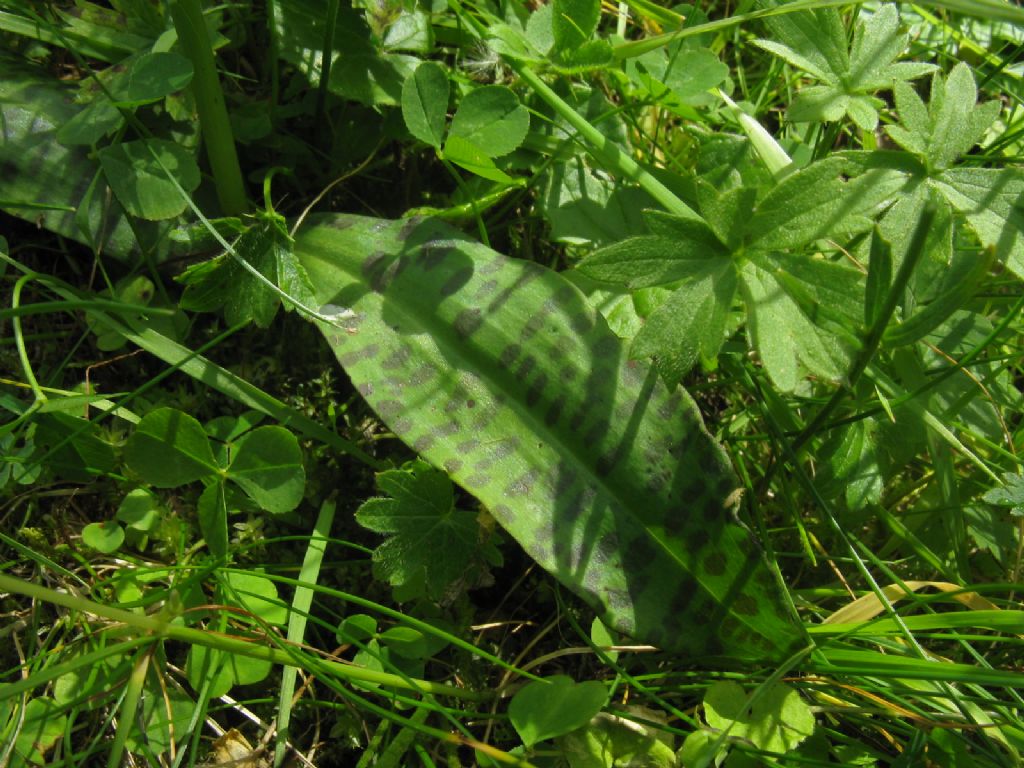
(867, 607)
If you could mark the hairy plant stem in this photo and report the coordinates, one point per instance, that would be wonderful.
(213, 114)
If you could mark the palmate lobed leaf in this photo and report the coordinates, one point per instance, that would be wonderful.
(431, 543)
(499, 372)
(849, 78)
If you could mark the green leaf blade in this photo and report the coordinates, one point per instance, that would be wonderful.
(554, 706)
(425, 102)
(492, 119)
(573, 23)
(267, 464)
(138, 171)
(169, 448)
(431, 544)
(500, 373)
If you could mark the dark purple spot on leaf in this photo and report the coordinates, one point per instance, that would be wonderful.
(433, 256)
(597, 432)
(675, 522)
(745, 605)
(380, 281)
(682, 599)
(581, 321)
(554, 412)
(389, 408)
(523, 485)
(456, 281)
(714, 564)
(534, 324)
(606, 348)
(374, 263)
(486, 289)
(578, 418)
(731, 627)
(467, 322)
(467, 446)
(424, 443)
(509, 355)
(607, 462)
(396, 359)
(368, 352)
(536, 389)
(525, 366)
(640, 553)
(409, 226)
(669, 407)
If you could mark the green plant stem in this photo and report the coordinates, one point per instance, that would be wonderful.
(301, 603)
(986, 9)
(874, 336)
(49, 307)
(161, 627)
(603, 149)
(327, 55)
(129, 707)
(213, 114)
(19, 338)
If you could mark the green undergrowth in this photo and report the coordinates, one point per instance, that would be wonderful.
(413, 383)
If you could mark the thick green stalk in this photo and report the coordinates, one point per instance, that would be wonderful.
(602, 148)
(213, 114)
(162, 627)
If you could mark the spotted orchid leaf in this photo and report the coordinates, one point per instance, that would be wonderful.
(500, 372)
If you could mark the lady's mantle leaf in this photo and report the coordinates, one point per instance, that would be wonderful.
(431, 543)
(502, 374)
(850, 79)
(224, 282)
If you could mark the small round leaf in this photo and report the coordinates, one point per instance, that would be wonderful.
(169, 448)
(554, 706)
(267, 465)
(138, 171)
(492, 119)
(425, 102)
(104, 537)
(359, 628)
